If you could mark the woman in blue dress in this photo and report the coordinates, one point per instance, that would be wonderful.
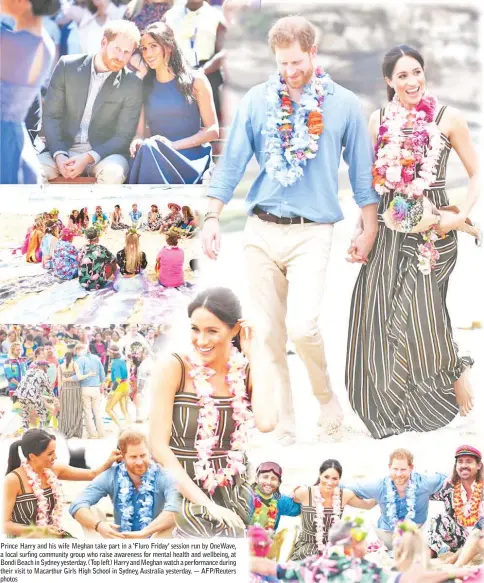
(178, 115)
(28, 54)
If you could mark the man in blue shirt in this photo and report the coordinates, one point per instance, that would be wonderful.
(144, 496)
(402, 494)
(91, 378)
(297, 125)
(135, 216)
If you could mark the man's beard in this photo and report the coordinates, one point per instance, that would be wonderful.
(111, 64)
(302, 80)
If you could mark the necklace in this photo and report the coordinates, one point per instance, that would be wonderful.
(271, 511)
(391, 497)
(34, 480)
(290, 144)
(208, 419)
(145, 491)
(321, 530)
(470, 515)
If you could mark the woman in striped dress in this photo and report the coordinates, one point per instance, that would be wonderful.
(70, 420)
(403, 370)
(201, 415)
(33, 502)
(321, 506)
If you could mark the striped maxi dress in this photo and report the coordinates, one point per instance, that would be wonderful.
(194, 520)
(402, 361)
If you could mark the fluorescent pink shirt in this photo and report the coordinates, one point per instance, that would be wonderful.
(171, 261)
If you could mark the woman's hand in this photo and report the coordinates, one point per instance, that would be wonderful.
(165, 141)
(449, 221)
(134, 147)
(225, 515)
(115, 456)
(246, 337)
(263, 566)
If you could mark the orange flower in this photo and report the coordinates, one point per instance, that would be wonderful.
(407, 161)
(287, 127)
(287, 105)
(315, 123)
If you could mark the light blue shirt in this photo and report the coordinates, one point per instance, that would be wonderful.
(91, 363)
(135, 216)
(315, 195)
(166, 496)
(427, 484)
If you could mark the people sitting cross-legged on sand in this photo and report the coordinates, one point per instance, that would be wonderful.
(135, 215)
(154, 219)
(169, 263)
(174, 219)
(48, 244)
(132, 262)
(33, 240)
(463, 498)
(75, 223)
(144, 496)
(117, 219)
(96, 263)
(346, 563)
(65, 261)
(100, 219)
(33, 500)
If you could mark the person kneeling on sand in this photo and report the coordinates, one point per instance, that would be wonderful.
(144, 496)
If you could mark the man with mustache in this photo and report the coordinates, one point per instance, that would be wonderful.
(144, 496)
(297, 125)
(92, 109)
(463, 498)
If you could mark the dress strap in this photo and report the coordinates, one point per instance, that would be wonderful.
(382, 114)
(20, 480)
(182, 379)
(440, 114)
(247, 382)
(310, 490)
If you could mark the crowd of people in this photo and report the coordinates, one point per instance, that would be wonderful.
(60, 376)
(150, 73)
(50, 242)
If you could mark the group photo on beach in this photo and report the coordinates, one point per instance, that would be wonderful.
(124, 259)
(293, 356)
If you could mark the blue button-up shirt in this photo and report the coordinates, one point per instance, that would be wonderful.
(165, 496)
(315, 195)
(426, 486)
(91, 363)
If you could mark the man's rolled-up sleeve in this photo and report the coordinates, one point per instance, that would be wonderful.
(100, 487)
(170, 492)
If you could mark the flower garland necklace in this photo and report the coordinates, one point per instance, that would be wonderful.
(391, 497)
(470, 515)
(407, 165)
(146, 498)
(271, 511)
(208, 418)
(321, 531)
(42, 518)
(290, 144)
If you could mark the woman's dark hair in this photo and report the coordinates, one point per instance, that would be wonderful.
(392, 57)
(34, 441)
(329, 464)
(116, 206)
(68, 358)
(164, 36)
(45, 7)
(222, 303)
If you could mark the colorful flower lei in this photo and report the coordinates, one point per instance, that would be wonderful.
(42, 518)
(319, 515)
(407, 165)
(470, 515)
(271, 512)
(208, 417)
(391, 507)
(146, 498)
(290, 144)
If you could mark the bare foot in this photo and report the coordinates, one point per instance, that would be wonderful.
(464, 394)
(331, 416)
(451, 559)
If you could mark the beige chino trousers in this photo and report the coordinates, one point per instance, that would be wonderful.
(286, 269)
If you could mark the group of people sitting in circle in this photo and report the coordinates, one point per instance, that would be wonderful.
(49, 242)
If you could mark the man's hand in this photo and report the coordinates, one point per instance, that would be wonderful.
(361, 246)
(107, 530)
(77, 164)
(136, 534)
(60, 162)
(211, 237)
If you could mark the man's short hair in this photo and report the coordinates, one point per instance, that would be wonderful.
(13, 345)
(131, 437)
(124, 28)
(290, 29)
(401, 454)
(80, 346)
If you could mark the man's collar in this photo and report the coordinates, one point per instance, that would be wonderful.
(93, 69)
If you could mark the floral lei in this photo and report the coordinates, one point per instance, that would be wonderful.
(391, 506)
(35, 482)
(290, 144)
(126, 492)
(271, 512)
(407, 165)
(319, 515)
(471, 516)
(208, 417)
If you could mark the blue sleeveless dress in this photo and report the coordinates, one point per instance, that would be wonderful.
(18, 159)
(168, 114)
